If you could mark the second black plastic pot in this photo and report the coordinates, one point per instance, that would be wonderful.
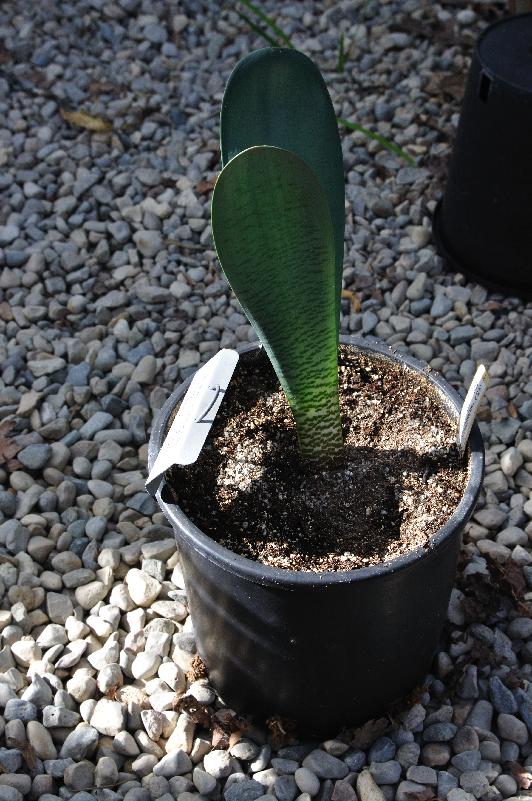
(324, 649)
(482, 226)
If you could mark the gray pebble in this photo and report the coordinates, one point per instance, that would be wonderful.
(173, 764)
(285, 788)
(382, 750)
(439, 732)
(511, 728)
(325, 766)
(501, 697)
(422, 774)
(467, 760)
(474, 782)
(244, 790)
(385, 772)
(10, 760)
(97, 422)
(17, 709)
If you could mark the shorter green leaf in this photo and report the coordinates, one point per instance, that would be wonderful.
(274, 235)
(391, 146)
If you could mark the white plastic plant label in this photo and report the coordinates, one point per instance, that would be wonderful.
(476, 391)
(193, 421)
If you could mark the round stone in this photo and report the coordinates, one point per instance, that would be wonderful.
(142, 587)
(35, 457)
(513, 729)
(218, 764)
(307, 781)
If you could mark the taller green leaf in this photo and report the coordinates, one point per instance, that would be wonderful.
(274, 236)
(277, 96)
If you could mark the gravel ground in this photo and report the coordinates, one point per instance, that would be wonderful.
(110, 294)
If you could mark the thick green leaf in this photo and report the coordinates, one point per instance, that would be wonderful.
(276, 96)
(274, 236)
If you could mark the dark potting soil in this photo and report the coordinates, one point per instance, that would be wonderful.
(398, 481)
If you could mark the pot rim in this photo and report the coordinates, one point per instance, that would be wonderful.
(494, 75)
(259, 573)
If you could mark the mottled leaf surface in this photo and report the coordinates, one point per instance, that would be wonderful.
(274, 236)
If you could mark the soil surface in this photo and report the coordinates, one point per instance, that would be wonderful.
(397, 483)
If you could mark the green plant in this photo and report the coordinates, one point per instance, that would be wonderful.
(391, 146)
(257, 28)
(278, 226)
(279, 36)
(342, 55)
(269, 22)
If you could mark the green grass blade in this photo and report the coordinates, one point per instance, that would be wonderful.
(391, 146)
(268, 20)
(342, 55)
(257, 29)
(274, 236)
(278, 97)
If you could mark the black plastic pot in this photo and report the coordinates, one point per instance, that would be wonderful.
(325, 649)
(483, 225)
